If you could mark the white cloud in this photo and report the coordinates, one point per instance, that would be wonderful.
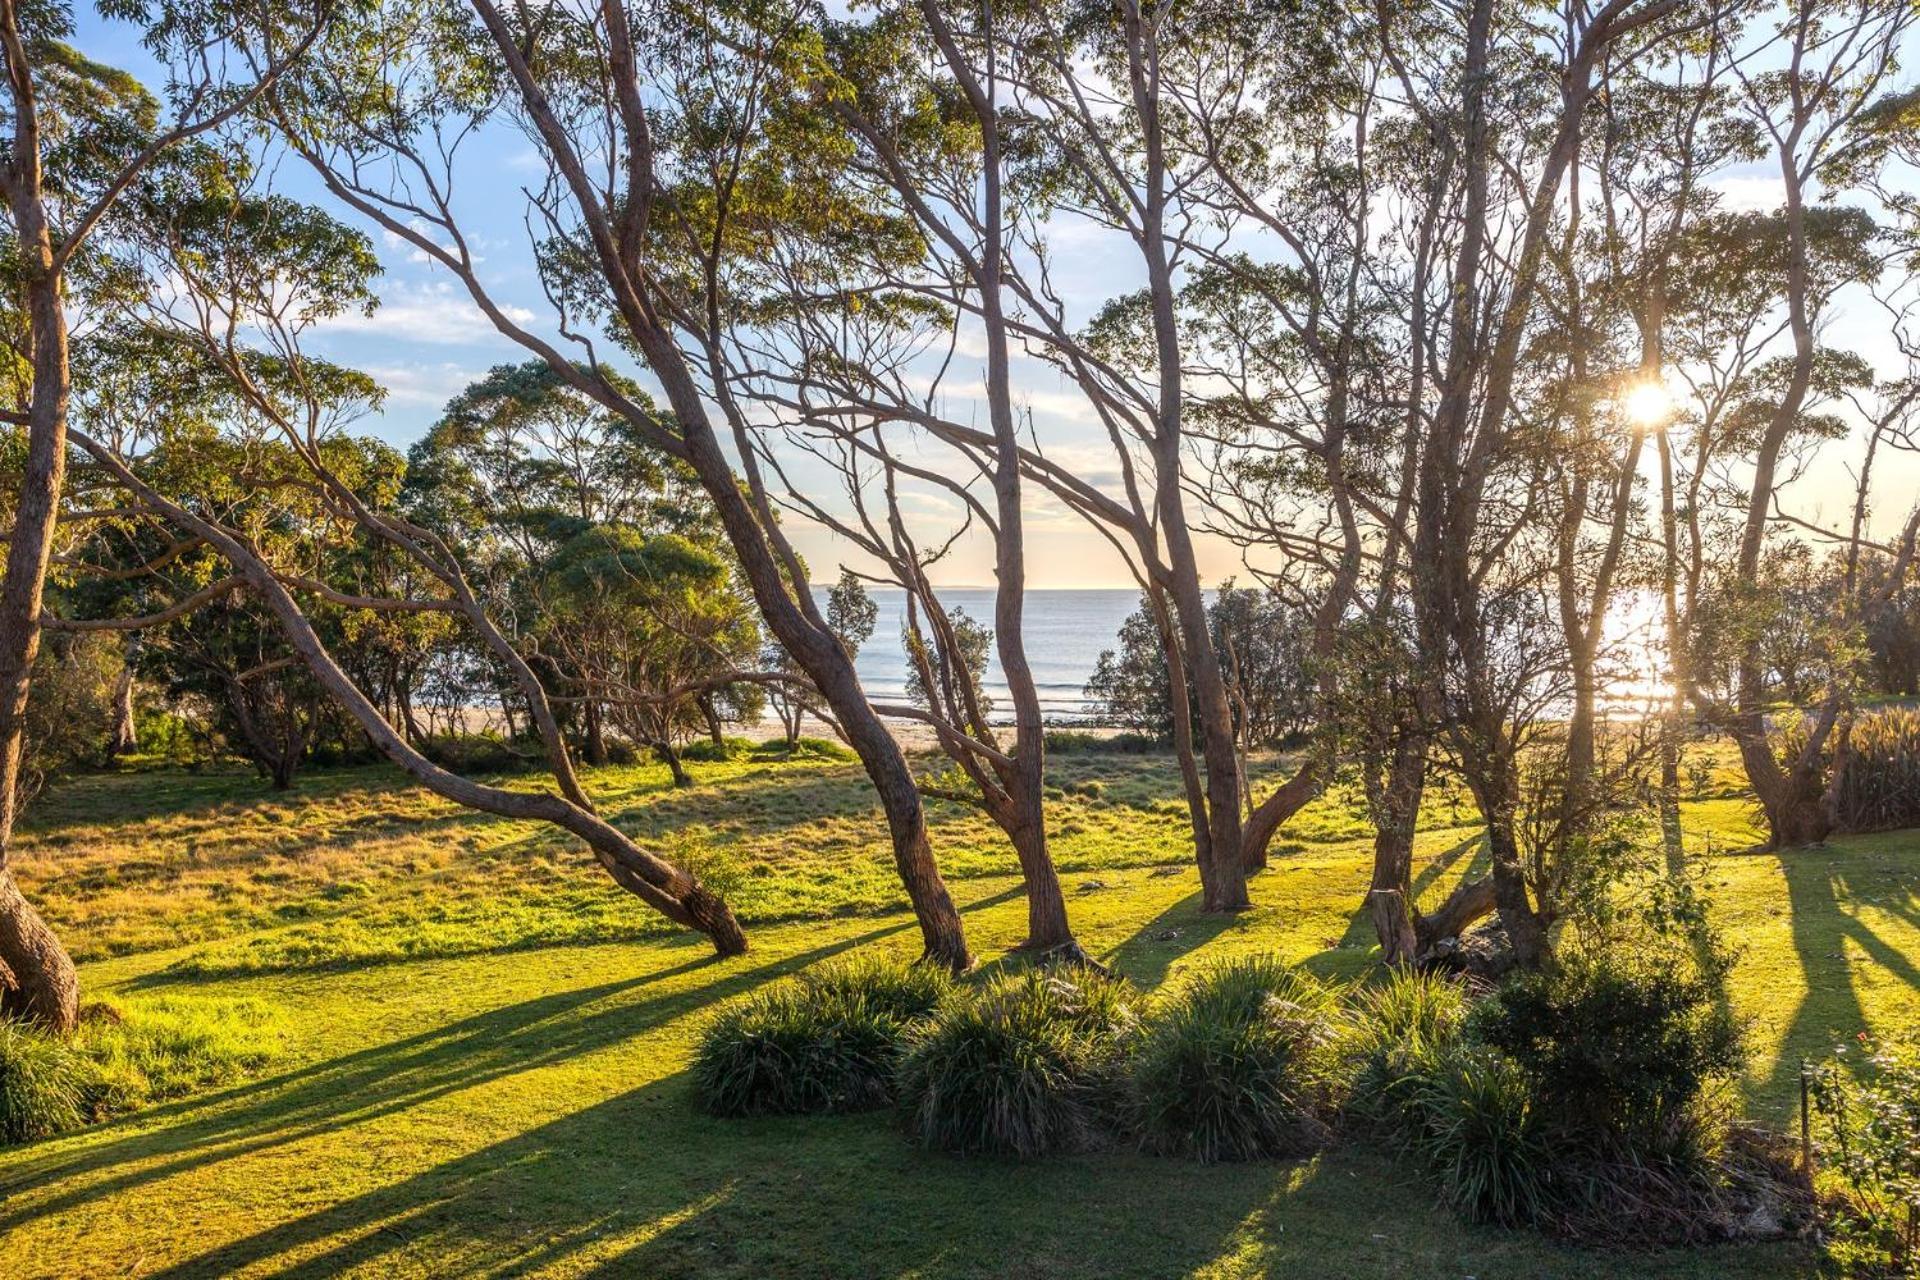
(428, 385)
(434, 313)
(1746, 193)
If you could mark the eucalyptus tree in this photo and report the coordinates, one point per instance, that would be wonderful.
(661, 177)
(250, 274)
(1488, 661)
(79, 135)
(523, 473)
(1821, 84)
(853, 353)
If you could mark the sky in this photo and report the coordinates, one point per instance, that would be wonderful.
(426, 341)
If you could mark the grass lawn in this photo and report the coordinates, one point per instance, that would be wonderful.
(484, 1069)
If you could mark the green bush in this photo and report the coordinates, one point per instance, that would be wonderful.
(1025, 1065)
(1399, 1030)
(1478, 1130)
(1868, 1120)
(1234, 1068)
(44, 1082)
(803, 748)
(907, 993)
(708, 751)
(1880, 789)
(828, 1041)
(1625, 1048)
(1076, 742)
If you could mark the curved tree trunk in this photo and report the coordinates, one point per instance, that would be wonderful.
(668, 888)
(37, 979)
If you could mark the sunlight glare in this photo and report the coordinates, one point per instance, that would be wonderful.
(1647, 403)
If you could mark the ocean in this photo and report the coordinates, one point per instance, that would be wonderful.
(1065, 629)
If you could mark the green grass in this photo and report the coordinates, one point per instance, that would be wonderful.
(483, 1047)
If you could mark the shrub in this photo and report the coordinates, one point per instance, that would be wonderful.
(1624, 1048)
(1232, 1068)
(814, 748)
(1880, 789)
(1478, 1130)
(1399, 1031)
(43, 1084)
(828, 1041)
(907, 993)
(788, 1050)
(709, 751)
(1025, 1065)
(1870, 1139)
(1074, 742)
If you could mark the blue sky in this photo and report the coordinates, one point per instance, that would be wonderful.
(426, 341)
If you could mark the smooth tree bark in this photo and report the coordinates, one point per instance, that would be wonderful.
(616, 242)
(37, 978)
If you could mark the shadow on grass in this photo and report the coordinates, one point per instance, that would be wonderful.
(364, 1085)
(1179, 930)
(1824, 925)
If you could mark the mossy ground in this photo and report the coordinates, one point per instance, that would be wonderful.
(485, 1045)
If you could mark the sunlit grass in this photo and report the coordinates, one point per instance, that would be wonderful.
(484, 1045)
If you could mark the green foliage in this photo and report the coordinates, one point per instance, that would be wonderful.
(907, 993)
(1025, 1065)
(1880, 789)
(43, 1084)
(1477, 1127)
(1869, 1128)
(124, 1058)
(1262, 640)
(1399, 1030)
(805, 748)
(828, 1041)
(709, 751)
(1623, 1047)
(1076, 742)
(1234, 1067)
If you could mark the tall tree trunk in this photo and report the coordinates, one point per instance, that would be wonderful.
(41, 981)
(671, 758)
(124, 739)
(596, 732)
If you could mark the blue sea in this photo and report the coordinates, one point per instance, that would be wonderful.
(1065, 630)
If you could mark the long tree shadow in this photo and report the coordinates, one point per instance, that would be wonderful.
(370, 1083)
(1180, 930)
(643, 1185)
(1823, 928)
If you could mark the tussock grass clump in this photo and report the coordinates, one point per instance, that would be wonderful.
(1399, 1030)
(43, 1084)
(907, 993)
(1234, 1068)
(827, 1041)
(1880, 790)
(1583, 1100)
(1476, 1125)
(1025, 1065)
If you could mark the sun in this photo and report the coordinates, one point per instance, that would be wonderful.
(1647, 403)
